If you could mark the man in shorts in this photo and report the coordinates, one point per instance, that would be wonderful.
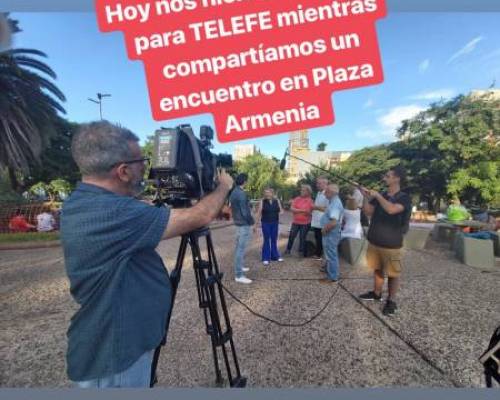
(387, 211)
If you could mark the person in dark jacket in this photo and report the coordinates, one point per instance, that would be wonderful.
(268, 213)
(242, 217)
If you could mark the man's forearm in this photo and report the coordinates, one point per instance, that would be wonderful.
(211, 205)
(390, 208)
(184, 220)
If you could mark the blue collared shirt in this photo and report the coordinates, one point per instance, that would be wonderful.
(116, 277)
(335, 210)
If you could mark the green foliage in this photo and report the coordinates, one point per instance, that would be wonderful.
(38, 189)
(58, 188)
(367, 166)
(29, 106)
(445, 149)
(7, 195)
(147, 149)
(479, 183)
(262, 172)
(28, 237)
(56, 160)
(312, 175)
(55, 190)
(287, 191)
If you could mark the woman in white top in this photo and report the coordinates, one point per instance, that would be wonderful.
(352, 221)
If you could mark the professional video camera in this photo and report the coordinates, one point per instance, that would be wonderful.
(183, 167)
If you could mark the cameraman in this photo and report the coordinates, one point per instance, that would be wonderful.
(116, 276)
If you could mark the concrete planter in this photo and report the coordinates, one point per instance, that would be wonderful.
(416, 239)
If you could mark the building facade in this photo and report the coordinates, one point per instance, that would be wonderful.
(242, 151)
(298, 146)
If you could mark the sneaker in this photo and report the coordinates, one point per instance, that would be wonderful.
(370, 296)
(318, 258)
(280, 259)
(243, 279)
(266, 263)
(389, 308)
(245, 269)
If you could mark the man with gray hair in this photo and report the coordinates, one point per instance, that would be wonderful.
(116, 276)
(331, 223)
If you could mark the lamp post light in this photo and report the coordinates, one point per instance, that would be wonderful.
(100, 96)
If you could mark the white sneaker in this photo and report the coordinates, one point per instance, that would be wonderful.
(245, 269)
(280, 259)
(243, 279)
(266, 263)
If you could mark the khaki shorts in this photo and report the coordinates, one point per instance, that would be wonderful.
(388, 261)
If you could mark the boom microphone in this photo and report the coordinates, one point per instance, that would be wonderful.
(331, 173)
(283, 160)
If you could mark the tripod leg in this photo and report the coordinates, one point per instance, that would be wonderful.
(487, 378)
(205, 301)
(175, 277)
(207, 276)
(238, 381)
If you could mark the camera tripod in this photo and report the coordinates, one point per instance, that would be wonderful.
(211, 299)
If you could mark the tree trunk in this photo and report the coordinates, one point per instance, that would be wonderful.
(437, 206)
(430, 203)
(14, 182)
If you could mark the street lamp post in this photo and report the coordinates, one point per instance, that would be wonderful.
(100, 96)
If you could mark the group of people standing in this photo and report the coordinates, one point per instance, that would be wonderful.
(331, 223)
(325, 215)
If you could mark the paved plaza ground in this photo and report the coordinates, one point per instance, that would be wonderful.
(448, 312)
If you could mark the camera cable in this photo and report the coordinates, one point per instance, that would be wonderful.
(286, 325)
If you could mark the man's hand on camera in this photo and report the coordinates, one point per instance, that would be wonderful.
(225, 179)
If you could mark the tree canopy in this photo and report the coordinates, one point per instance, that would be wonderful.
(450, 150)
(262, 172)
(29, 106)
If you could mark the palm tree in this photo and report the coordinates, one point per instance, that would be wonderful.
(29, 106)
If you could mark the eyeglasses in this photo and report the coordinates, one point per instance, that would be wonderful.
(145, 161)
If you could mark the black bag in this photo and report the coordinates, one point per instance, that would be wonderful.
(491, 359)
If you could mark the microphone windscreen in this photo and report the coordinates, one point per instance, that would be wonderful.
(283, 163)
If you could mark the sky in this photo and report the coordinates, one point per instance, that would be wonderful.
(426, 57)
